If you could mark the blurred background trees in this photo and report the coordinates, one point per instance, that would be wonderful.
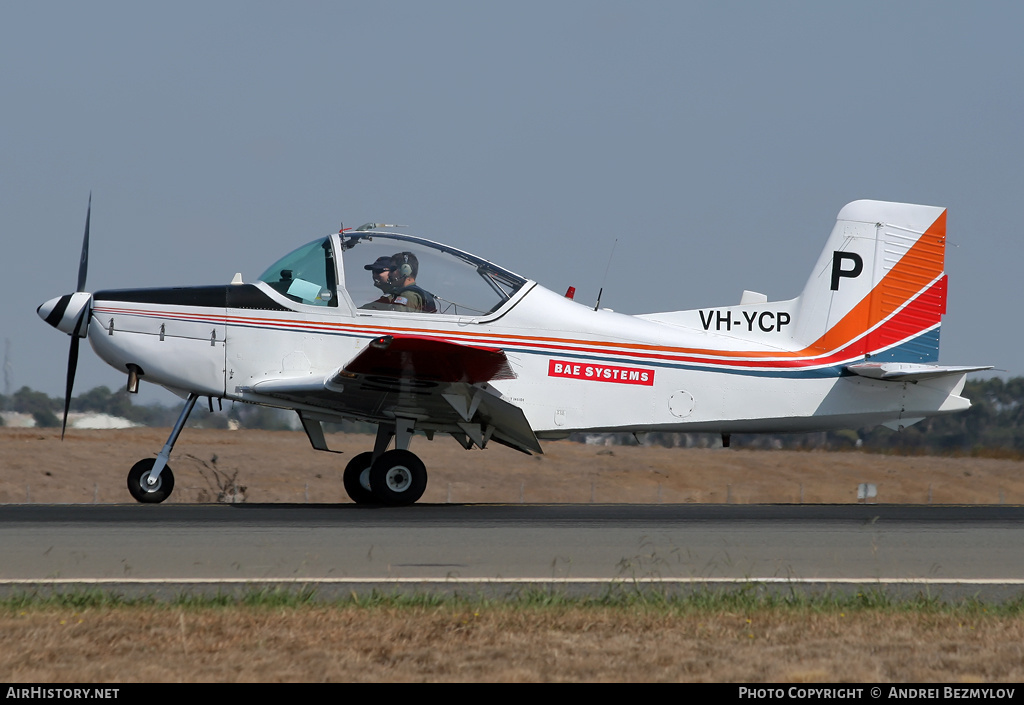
(993, 426)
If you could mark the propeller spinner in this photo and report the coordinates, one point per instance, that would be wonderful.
(70, 314)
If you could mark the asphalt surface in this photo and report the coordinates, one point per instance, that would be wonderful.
(973, 550)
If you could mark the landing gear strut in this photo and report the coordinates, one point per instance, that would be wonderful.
(150, 480)
(391, 477)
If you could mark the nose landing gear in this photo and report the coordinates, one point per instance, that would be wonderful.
(150, 480)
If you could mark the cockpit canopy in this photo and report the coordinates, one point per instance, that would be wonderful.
(306, 275)
(456, 282)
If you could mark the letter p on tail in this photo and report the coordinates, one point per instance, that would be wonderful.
(878, 289)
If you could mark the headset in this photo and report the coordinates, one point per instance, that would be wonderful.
(404, 269)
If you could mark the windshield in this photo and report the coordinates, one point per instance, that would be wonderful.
(400, 273)
(306, 275)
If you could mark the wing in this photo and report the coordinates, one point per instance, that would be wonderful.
(428, 359)
(442, 386)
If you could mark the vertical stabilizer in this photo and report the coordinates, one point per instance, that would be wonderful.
(879, 289)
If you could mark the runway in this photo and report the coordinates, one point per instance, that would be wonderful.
(943, 550)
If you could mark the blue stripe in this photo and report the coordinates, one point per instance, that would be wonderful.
(923, 348)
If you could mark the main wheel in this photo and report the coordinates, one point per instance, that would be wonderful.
(398, 477)
(140, 488)
(357, 479)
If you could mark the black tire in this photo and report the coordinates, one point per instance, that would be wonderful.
(353, 479)
(398, 477)
(137, 477)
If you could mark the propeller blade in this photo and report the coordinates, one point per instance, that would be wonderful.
(83, 266)
(72, 368)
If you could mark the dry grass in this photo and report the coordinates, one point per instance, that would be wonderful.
(280, 466)
(506, 643)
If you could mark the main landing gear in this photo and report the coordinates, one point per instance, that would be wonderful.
(392, 477)
(150, 480)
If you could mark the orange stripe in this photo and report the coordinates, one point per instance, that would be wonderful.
(921, 264)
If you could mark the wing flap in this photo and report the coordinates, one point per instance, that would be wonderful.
(507, 422)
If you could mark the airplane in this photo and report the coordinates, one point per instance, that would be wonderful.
(488, 356)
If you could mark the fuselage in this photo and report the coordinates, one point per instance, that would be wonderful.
(728, 370)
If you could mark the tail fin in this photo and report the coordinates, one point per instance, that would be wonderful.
(878, 289)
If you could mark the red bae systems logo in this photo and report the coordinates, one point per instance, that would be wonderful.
(601, 373)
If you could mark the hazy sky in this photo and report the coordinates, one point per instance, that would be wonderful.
(717, 141)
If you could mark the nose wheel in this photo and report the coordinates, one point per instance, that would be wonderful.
(140, 487)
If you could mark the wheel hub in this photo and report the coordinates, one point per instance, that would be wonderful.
(398, 478)
(150, 486)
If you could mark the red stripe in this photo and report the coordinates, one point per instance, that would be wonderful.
(920, 315)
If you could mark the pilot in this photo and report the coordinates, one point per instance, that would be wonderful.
(381, 272)
(408, 295)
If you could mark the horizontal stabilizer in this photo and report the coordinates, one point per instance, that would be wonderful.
(908, 371)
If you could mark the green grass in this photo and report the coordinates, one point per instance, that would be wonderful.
(747, 599)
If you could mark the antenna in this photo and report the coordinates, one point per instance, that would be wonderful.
(605, 278)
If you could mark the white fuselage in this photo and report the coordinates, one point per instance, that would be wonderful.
(576, 369)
